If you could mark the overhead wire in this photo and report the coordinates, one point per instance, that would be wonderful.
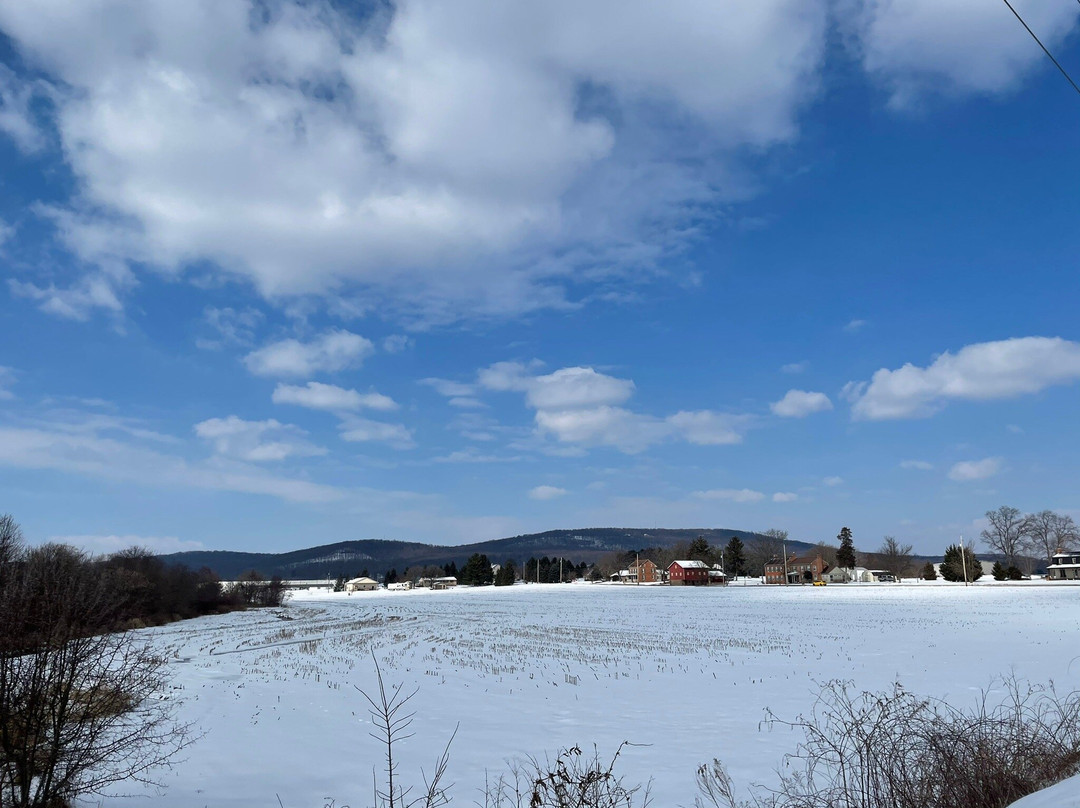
(1057, 64)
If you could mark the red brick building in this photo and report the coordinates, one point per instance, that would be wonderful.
(804, 569)
(644, 572)
(688, 573)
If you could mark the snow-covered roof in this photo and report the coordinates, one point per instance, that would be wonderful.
(362, 581)
(698, 565)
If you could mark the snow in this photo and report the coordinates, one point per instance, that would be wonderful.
(685, 671)
(1065, 794)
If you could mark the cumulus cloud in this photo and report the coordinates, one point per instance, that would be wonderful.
(921, 47)
(545, 492)
(731, 494)
(417, 156)
(580, 405)
(784, 496)
(332, 351)
(800, 403)
(319, 396)
(978, 372)
(16, 116)
(968, 470)
(255, 441)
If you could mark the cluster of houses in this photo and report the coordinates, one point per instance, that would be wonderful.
(370, 585)
(679, 573)
(796, 569)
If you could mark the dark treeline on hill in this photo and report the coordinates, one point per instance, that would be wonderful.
(331, 561)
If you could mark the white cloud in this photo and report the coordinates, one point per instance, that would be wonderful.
(417, 155)
(784, 496)
(449, 388)
(918, 465)
(800, 403)
(920, 47)
(364, 430)
(255, 441)
(854, 326)
(709, 428)
(16, 117)
(580, 405)
(832, 482)
(108, 544)
(319, 396)
(968, 470)
(333, 351)
(575, 388)
(545, 492)
(795, 367)
(229, 326)
(978, 372)
(89, 454)
(96, 290)
(731, 494)
(396, 343)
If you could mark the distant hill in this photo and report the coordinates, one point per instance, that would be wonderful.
(377, 555)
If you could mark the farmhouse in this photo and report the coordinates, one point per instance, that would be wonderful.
(1064, 567)
(444, 582)
(644, 572)
(688, 573)
(361, 585)
(804, 569)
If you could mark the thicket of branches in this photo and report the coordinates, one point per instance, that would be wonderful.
(81, 707)
(898, 750)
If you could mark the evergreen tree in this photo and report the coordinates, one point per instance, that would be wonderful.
(735, 558)
(954, 563)
(1013, 573)
(699, 550)
(339, 584)
(928, 572)
(998, 571)
(845, 556)
(391, 576)
(506, 574)
(450, 569)
(477, 571)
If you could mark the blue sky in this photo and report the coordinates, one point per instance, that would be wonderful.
(279, 275)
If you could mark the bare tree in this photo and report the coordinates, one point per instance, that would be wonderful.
(894, 556)
(1008, 528)
(1049, 532)
(78, 705)
(390, 716)
(765, 546)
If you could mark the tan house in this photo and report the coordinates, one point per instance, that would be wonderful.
(361, 585)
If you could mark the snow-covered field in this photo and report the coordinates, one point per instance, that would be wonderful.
(528, 669)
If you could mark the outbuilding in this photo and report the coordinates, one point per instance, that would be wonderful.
(361, 585)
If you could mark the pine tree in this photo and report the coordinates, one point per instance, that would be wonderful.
(477, 571)
(339, 584)
(845, 556)
(735, 558)
(1013, 573)
(391, 576)
(506, 574)
(928, 572)
(955, 563)
(998, 571)
(699, 550)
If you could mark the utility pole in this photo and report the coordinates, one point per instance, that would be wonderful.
(637, 566)
(786, 581)
(963, 558)
(560, 569)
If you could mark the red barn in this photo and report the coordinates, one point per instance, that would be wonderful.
(688, 573)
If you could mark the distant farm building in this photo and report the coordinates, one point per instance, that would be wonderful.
(644, 572)
(361, 585)
(688, 573)
(444, 582)
(717, 576)
(400, 586)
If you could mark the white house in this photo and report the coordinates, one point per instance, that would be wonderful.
(1064, 567)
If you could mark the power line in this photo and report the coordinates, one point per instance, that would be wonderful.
(1057, 64)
